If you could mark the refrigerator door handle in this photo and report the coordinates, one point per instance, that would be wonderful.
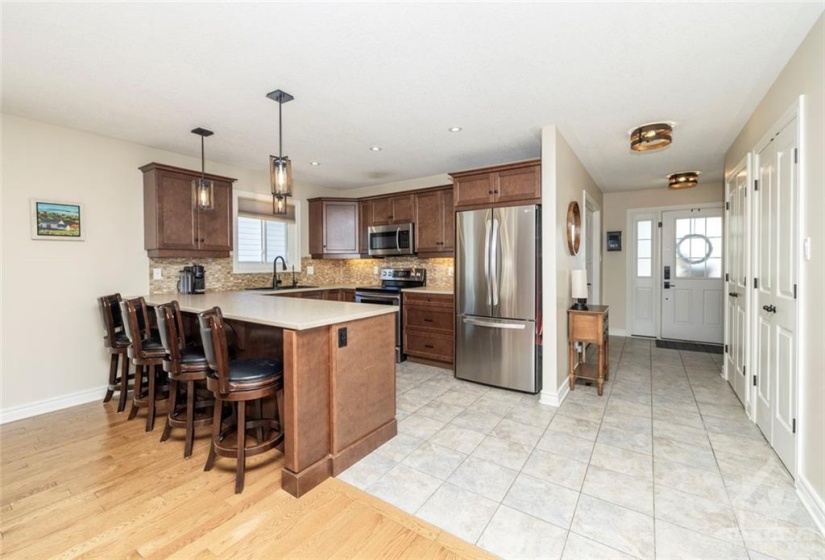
(494, 261)
(487, 231)
(494, 325)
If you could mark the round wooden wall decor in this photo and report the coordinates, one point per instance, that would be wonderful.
(574, 227)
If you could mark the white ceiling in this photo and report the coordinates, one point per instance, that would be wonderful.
(399, 75)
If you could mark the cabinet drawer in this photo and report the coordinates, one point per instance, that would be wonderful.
(431, 300)
(432, 346)
(431, 318)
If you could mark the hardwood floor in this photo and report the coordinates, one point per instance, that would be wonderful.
(86, 482)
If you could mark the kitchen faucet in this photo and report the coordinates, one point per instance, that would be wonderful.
(275, 280)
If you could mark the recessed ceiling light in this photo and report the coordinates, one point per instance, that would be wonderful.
(649, 137)
(454, 129)
(683, 180)
(376, 148)
(315, 163)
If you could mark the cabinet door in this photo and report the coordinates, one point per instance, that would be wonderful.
(365, 221)
(381, 211)
(403, 209)
(215, 226)
(522, 184)
(448, 244)
(429, 223)
(340, 227)
(316, 227)
(348, 295)
(176, 217)
(473, 190)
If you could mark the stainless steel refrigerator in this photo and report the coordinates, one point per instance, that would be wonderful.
(498, 297)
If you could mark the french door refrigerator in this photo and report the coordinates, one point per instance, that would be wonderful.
(498, 297)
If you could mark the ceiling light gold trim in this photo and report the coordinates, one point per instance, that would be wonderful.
(683, 180)
(650, 137)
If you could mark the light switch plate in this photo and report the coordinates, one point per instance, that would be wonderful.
(157, 274)
(375, 270)
(310, 270)
(449, 271)
(806, 248)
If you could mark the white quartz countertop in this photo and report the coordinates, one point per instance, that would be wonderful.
(288, 313)
(426, 290)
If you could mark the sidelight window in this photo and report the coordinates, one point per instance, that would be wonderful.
(644, 248)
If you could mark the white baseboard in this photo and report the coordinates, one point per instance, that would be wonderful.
(50, 405)
(812, 502)
(551, 398)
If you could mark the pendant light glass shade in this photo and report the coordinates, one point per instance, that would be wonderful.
(203, 188)
(280, 175)
(279, 205)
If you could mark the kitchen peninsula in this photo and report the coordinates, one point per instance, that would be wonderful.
(339, 373)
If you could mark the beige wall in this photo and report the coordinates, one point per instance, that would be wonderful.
(616, 205)
(563, 178)
(803, 75)
(52, 346)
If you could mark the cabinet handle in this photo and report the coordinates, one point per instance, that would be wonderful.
(430, 346)
(428, 320)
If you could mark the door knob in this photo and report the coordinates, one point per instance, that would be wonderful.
(769, 308)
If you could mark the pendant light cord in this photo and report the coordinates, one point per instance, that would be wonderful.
(203, 164)
(280, 132)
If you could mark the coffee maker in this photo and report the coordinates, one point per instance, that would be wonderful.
(186, 282)
(199, 279)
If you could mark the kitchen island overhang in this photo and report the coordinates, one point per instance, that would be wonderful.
(339, 389)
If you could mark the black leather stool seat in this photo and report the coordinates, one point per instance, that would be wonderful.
(192, 356)
(153, 347)
(248, 370)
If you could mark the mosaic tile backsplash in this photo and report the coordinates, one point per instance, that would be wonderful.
(352, 272)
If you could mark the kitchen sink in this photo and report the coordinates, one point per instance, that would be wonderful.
(280, 289)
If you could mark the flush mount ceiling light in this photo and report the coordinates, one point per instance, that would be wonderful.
(375, 149)
(203, 187)
(315, 163)
(683, 180)
(455, 129)
(651, 137)
(280, 168)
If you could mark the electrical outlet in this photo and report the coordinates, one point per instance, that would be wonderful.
(157, 274)
(342, 337)
(375, 270)
(449, 271)
(310, 270)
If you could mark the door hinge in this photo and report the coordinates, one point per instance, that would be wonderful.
(796, 155)
(726, 348)
(793, 426)
(727, 277)
(794, 291)
(660, 224)
(754, 381)
(727, 206)
(756, 184)
(745, 371)
(756, 282)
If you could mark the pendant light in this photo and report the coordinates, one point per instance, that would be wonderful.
(651, 137)
(683, 180)
(280, 168)
(204, 188)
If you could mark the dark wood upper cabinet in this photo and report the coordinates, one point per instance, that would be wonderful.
(395, 209)
(333, 228)
(435, 222)
(505, 185)
(173, 226)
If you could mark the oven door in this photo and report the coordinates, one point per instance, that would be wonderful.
(378, 298)
(391, 240)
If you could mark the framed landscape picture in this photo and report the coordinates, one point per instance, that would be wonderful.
(61, 221)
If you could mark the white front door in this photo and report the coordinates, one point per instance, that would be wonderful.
(692, 303)
(643, 250)
(775, 253)
(736, 279)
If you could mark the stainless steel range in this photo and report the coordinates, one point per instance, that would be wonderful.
(393, 280)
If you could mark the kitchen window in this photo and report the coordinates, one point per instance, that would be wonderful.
(261, 236)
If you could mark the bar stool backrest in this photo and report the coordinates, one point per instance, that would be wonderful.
(112, 319)
(168, 328)
(136, 329)
(215, 347)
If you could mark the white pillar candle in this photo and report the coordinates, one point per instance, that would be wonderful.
(578, 284)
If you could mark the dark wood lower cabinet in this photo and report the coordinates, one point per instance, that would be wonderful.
(428, 328)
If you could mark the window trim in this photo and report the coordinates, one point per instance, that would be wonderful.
(294, 236)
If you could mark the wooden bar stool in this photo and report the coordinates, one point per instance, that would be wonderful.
(117, 343)
(187, 369)
(239, 382)
(147, 354)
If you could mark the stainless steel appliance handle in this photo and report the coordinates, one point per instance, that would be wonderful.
(494, 259)
(487, 232)
(397, 239)
(492, 325)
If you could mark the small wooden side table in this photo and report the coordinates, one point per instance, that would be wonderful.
(588, 326)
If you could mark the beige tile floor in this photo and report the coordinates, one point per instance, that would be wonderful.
(665, 464)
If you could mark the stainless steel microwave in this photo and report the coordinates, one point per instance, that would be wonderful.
(387, 241)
